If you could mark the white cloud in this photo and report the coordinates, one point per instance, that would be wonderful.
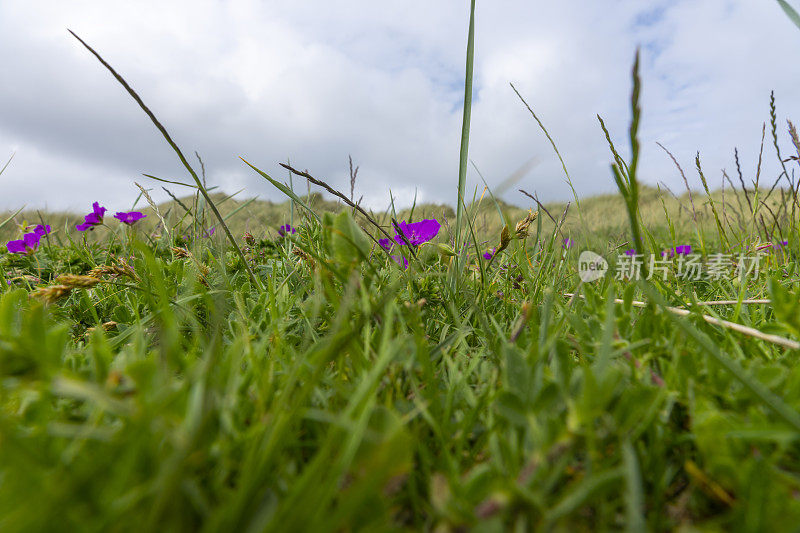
(316, 81)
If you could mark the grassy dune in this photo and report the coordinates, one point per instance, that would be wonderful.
(602, 216)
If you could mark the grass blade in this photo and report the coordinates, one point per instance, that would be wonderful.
(790, 12)
(464, 153)
(180, 155)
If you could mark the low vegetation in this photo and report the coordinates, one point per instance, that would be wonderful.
(236, 365)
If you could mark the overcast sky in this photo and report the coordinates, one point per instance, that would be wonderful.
(314, 81)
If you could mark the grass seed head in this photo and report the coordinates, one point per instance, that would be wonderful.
(52, 293)
(119, 268)
(505, 239)
(180, 252)
(521, 231)
(74, 281)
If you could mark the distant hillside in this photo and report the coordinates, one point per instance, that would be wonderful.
(598, 216)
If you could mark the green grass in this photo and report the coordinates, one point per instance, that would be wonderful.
(340, 391)
(354, 394)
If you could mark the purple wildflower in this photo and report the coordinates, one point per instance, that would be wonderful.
(684, 249)
(417, 232)
(401, 260)
(26, 245)
(95, 218)
(129, 218)
(773, 246)
(386, 244)
(568, 243)
(631, 251)
(286, 229)
(41, 231)
(209, 233)
(489, 255)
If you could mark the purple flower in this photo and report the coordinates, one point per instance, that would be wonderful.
(401, 260)
(41, 231)
(684, 249)
(286, 229)
(129, 218)
(386, 244)
(417, 232)
(568, 243)
(209, 233)
(631, 251)
(489, 255)
(95, 218)
(26, 245)
(773, 246)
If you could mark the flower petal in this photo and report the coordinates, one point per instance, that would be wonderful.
(98, 211)
(129, 218)
(42, 230)
(31, 240)
(401, 260)
(418, 232)
(16, 247)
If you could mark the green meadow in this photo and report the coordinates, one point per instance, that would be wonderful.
(161, 376)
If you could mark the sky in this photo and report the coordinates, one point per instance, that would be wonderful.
(313, 82)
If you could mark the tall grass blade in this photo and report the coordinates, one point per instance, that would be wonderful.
(7, 163)
(790, 12)
(285, 190)
(10, 218)
(165, 134)
(464, 152)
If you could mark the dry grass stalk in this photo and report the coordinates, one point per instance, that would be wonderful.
(353, 176)
(74, 281)
(119, 268)
(153, 206)
(745, 330)
(66, 283)
(52, 293)
(685, 180)
(336, 193)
